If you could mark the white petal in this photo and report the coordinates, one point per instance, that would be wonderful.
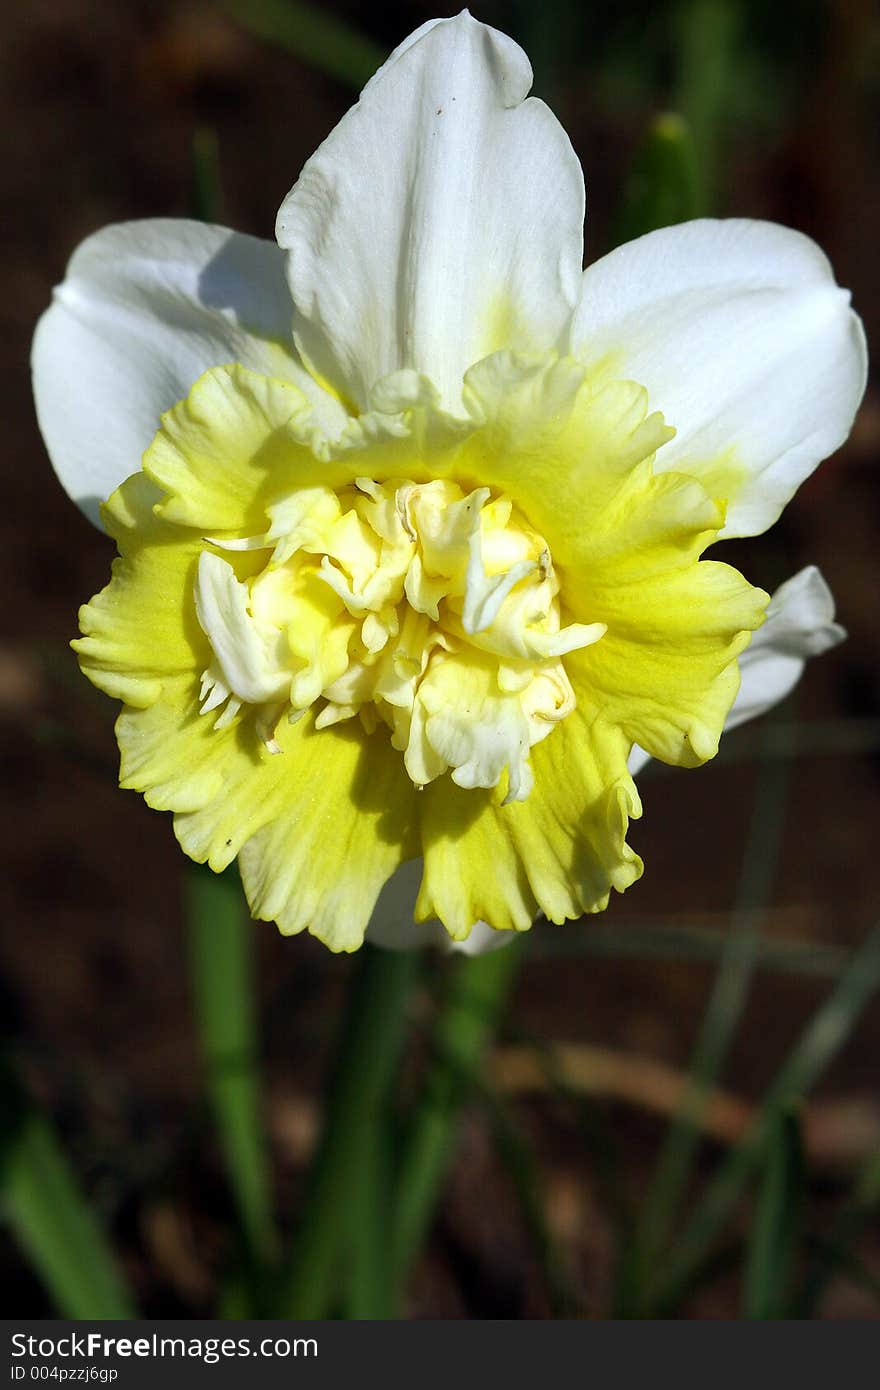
(145, 308)
(744, 342)
(441, 220)
(637, 760)
(799, 624)
(480, 939)
(393, 927)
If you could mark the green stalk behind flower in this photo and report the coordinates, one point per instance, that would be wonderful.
(370, 1043)
(478, 993)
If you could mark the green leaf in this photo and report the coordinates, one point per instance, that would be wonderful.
(50, 1218)
(778, 1220)
(222, 956)
(313, 34)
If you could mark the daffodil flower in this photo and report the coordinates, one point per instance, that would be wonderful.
(410, 574)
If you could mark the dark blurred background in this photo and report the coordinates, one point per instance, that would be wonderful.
(101, 106)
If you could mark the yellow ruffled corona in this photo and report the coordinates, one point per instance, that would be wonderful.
(441, 637)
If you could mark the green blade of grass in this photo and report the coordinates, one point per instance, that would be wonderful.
(222, 956)
(823, 1037)
(777, 1224)
(676, 1161)
(51, 1220)
(312, 34)
(369, 1048)
(478, 993)
(708, 48)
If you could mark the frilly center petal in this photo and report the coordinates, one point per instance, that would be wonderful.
(421, 606)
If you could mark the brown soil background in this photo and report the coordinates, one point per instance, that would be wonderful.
(100, 102)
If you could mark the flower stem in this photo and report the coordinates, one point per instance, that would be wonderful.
(224, 985)
(478, 993)
(369, 1047)
(369, 1294)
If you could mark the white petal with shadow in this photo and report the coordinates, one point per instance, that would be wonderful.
(144, 309)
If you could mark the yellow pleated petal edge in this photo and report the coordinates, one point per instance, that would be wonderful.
(319, 826)
(560, 852)
(219, 449)
(136, 634)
